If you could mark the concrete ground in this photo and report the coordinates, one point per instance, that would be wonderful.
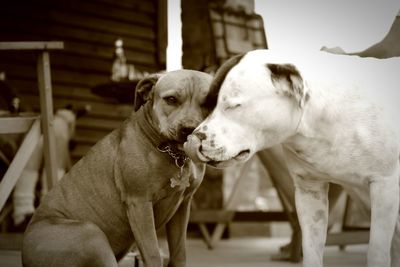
(237, 252)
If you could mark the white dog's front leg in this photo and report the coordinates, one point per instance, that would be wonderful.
(312, 210)
(384, 212)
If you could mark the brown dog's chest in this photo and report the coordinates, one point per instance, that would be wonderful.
(149, 177)
(155, 185)
(161, 175)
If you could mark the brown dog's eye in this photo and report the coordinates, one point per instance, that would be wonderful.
(171, 100)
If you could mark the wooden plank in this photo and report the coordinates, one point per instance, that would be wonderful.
(82, 95)
(88, 140)
(67, 60)
(80, 151)
(212, 216)
(31, 45)
(100, 10)
(16, 124)
(140, 6)
(78, 20)
(64, 60)
(260, 216)
(83, 50)
(89, 136)
(106, 52)
(228, 216)
(70, 77)
(40, 30)
(17, 165)
(98, 124)
(99, 110)
(97, 24)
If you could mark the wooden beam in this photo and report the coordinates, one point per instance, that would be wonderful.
(212, 216)
(18, 164)
(16, 124)
(228, 216)
(31, 45)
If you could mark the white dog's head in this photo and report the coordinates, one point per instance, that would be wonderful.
(258, 102)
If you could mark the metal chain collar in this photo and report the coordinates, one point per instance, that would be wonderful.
(179, 157)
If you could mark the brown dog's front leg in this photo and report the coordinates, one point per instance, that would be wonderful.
(176, 234)
(176, 227)
(141, 220)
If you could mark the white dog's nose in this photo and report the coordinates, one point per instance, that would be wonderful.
(202, 136)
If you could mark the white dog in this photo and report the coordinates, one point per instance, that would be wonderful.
(327, 112)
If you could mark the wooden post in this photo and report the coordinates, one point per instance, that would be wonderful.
(46, 105)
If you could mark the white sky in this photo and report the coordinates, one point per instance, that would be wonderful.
(306, 24)
(310, 24)
(174, 48)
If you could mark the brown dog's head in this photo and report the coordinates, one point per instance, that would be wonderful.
(178, 101)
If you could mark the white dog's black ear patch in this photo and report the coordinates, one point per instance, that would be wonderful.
(144, 89)
(287, 79)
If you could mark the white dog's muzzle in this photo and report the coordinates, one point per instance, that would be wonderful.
(198, 148)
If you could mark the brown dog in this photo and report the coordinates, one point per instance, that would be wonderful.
(134, 181)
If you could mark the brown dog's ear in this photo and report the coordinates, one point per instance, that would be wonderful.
(287, 78)
(144, 90)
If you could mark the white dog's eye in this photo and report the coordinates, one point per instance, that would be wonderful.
(171, 100)
(233, 106)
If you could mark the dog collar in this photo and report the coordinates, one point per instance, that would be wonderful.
(144, 121)
(171, 149)
(163, 145)
(182, 180)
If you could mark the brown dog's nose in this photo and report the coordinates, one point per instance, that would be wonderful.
(185, 132)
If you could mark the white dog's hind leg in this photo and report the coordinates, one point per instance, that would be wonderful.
(384, 213)
(312, 210)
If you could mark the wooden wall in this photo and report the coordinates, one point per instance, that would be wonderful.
(88, 29)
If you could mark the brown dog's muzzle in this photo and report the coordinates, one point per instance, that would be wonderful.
(193, 147)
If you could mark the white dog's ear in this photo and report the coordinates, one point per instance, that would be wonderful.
(144, 90)
(286, 78)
